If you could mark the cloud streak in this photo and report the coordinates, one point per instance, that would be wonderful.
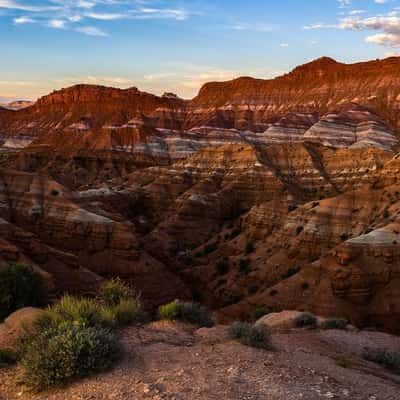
(76, 15)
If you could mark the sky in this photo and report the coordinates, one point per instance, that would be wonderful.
(177, 45)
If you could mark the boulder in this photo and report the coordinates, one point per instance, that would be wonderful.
(280, 320)
(16, 324)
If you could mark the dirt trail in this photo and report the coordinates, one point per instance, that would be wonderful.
(167, 361)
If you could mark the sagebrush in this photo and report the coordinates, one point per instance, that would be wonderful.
(251, 335)
(20, 286)
(59, 354)
(185, 311)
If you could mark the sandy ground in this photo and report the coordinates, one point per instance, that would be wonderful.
(176, 362)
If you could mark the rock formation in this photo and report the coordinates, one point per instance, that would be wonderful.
(257, 193)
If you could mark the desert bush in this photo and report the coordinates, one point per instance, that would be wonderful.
(305, 285)
(188, 312)
(344, 362)
(114, 291)
(385, 357)
(261, 311)
(234, 233)
(7, 357)
(250, 248)
(334, 323)
(253, 289)
(71, 350)
(251, 335)
(210, 248)
(291, 272)
(386, 214)
(20, 286)
(127, 312)
(223, 266)
(91, 312)
(80, 310)
(305, 319)
(244, 264)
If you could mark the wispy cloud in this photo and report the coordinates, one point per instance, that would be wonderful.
(255, 27)
(187, 78)
(91, 31)
(76, 14)
(23, 20)
(97, 80)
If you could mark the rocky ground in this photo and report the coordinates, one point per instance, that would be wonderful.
(174, 361)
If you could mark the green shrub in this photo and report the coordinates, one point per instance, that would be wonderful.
(244, 264)
(234, 298)
(57, 355)
(115, 291)
(291, 272)
(261, 311)
(91, 312)
(81, 310)
(127, 312)
(305, 285)
(250, 248)
(188, 312)
(251, 335)
(210, 248)
(386, 214)
(20, 286)
(305, 319)
(7, 357)
(343, 362)
(223, 266)
(253, 289)
(234, 233)
(385, 357)
(334, 323)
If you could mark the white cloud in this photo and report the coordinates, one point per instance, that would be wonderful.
(386, 26)
(284, 45)
(14, 5)
(104, 16)
(91, 31)
(159, 13)
(357, 12)
(344, 3)
(23, 20)
(56, 23)
(255, 27)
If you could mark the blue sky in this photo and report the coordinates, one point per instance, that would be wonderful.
(176, 45)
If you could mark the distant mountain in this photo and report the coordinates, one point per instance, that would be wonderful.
(17, 105)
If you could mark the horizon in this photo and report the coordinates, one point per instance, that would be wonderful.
(181, 44)
(4, 101)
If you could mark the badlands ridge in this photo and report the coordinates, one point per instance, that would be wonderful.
(280, 193)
